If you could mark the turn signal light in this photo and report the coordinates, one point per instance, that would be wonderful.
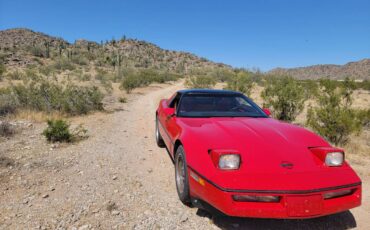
(250, 198)
(330, 195)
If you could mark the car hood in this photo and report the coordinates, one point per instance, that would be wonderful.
(263, 143)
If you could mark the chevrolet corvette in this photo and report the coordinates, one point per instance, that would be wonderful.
(229, 153)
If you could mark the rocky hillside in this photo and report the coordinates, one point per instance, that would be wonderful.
(356, 70)
(22, 47)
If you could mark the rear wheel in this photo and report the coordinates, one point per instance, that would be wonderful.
(158, 136)
(181, 176)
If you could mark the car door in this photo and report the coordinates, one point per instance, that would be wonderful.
(170, 122)
(165, 115)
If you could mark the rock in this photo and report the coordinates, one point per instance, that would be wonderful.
(45, 196)
(115, 213)
(84, 227)
(150, 170)
(95, 211)
(183, 218)
(114, 177)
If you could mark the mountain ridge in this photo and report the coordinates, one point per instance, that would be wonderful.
(355, 69)
(137, 53)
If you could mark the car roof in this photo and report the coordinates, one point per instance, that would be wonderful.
(207, 91)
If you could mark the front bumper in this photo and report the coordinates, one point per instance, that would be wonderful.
(291, 205)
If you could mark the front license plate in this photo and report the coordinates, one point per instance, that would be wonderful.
(304, 205)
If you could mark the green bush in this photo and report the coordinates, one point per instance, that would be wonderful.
(333, 118)
(2, 70)
(311, 88)
(200, 82)
(242, 82)
(81, 100)
(8, 104)
(365, 85)
(222, 74)
(45, 95)
(145, 77)
(286, 97)
(122, 100)
(57, 130)
(6, 129)
(63, 64)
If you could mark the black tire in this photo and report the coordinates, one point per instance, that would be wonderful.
(181, 176)
(158, 137)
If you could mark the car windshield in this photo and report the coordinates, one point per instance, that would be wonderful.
(218, 105)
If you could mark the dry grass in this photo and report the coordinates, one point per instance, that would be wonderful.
(359, 144)
(36, 116)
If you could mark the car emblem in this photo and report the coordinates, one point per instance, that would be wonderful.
(286, 164)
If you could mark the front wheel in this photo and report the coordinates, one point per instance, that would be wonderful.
(181, 176)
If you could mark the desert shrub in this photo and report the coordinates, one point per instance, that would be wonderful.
(285, 95)
(79, 60)
(145, 77)
(364, 117)
(311, 88)
(46, 70)
(57, 130)
(222, 74)
(122, 100)
(37, 51)
(8, 104)
(6, 129)
(200, 81)
(130, 82)
(15, 75)
(81, 100)
(85, 77)
(102, 75)
(365, 85)
(44, 95)
(242, 82)
(333, 118)
(2, 70)
(63, 64)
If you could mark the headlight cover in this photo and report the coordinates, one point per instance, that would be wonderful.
(334, 159)
(229, 161)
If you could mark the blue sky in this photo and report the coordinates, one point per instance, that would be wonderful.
(259, 33)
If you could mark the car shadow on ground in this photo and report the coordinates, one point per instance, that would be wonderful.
(343, 220)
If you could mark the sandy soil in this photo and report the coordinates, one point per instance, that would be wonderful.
(119, 179)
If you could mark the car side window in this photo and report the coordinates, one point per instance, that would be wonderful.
(175, 101)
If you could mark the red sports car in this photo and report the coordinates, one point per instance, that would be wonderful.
(230, 154)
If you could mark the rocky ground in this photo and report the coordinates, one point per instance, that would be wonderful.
(119, 179)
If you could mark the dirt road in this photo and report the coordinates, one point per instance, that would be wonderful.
(116, 179)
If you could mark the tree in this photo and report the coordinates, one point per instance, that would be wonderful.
(200, 81)
(242, 82)
(333, 118)
(285, 95)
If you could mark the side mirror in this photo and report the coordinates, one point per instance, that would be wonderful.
(170, 112)
(267, 111)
